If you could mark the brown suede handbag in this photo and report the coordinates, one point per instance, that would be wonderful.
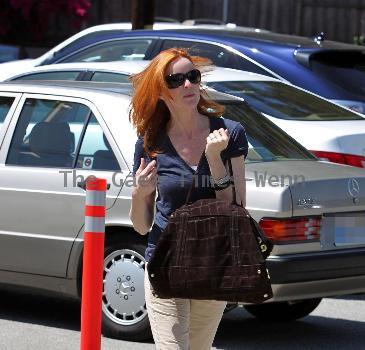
(212, 250)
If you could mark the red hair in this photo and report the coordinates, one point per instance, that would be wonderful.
(148, 113)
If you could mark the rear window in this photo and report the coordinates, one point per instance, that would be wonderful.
(267, 142)
(284, 101)
(345, 69)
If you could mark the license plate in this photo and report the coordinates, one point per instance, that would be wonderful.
(343, 230)
(349, 230)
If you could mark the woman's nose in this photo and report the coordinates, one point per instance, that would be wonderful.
(187, 83)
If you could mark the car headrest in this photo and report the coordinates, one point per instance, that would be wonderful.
(48, 137)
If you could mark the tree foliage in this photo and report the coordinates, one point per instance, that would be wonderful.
(27, 21)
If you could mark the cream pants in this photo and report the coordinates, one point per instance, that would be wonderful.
(182, 324)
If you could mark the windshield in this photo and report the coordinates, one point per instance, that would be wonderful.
(284, 101)
(267, 142)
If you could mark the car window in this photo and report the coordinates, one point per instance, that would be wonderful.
(5, 104)
(110, 77)
(96, 152)
(284, 101)
(71, 75)
(47, 133)
(117, 50)
(267, 142)
(218, 55)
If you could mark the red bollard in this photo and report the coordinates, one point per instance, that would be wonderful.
(93, 261)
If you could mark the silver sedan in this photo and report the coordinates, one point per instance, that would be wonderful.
(56, 134)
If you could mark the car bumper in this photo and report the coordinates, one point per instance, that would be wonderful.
(319, 274)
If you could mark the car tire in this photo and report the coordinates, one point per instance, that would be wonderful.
(283, 311)
(124, 309)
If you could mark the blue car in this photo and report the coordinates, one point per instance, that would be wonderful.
(331, 69)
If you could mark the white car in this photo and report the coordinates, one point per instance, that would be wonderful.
(9, 69)
(329, 131)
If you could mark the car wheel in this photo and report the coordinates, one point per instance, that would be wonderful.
(283, 311)
(124, 308)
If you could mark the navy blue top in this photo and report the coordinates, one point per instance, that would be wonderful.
(175, 175)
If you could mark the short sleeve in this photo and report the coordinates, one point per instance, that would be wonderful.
(138, 154)
(238, 144)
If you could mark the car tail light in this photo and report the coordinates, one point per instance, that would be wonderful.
(342, 158)
(290, 230)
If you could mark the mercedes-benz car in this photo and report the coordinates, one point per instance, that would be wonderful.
(55, 134)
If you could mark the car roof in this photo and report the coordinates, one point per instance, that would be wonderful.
(132, 67)
(83, 88)
(230, 26)
(272, 37)
(43, 86)
(224, 33)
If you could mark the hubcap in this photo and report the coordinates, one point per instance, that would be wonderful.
(123, 287)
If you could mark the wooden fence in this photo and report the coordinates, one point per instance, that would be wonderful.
(341, 20)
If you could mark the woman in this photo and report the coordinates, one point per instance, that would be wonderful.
(180, 136)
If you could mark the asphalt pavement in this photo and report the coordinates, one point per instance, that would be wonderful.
(30, 322)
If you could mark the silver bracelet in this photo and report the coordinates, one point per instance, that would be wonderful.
(221, 181)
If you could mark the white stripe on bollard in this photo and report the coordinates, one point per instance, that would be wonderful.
(96, 198)
(93, 224)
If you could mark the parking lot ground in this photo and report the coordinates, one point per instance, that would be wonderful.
(30, 322)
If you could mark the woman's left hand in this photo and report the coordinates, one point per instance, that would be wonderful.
(217, 141)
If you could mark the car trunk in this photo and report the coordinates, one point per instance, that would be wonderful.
(334, 193)
(327, 188)
(316, 187)
(338, 195)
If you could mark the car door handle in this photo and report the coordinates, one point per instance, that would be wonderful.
(82, 184)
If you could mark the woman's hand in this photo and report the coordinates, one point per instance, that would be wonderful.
(146, 179)
(217, 141)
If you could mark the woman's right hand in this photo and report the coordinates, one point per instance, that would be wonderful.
(146, 179)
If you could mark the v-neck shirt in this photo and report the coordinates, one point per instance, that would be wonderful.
(175, 175)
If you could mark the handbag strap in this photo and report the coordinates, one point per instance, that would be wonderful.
(234, 199)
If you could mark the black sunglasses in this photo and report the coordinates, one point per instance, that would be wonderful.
(173, 81)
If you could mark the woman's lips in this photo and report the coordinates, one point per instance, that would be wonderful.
(190, 95)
